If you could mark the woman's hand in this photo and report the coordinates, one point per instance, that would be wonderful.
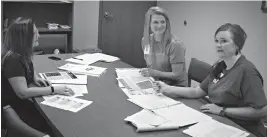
(148, 72)
(163, 88)
(63, 90)
(211, 108)
(41, 82)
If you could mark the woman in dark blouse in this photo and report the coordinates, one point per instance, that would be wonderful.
(235, 86)
(18, 72)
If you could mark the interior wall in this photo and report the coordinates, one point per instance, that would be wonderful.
(203, 19)
(85, 24)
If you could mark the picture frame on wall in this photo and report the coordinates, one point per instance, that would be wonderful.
(264, 6)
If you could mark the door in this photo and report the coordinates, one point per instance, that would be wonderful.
(121, 29)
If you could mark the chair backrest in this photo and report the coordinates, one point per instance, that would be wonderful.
(198, 70)
(16, 127)
(49, 42)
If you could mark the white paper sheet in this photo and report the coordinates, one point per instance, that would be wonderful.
(182, 115)
(83, 69)
(152, 102)
(92, 58)
(80, 80)
(214, 128)
(66, 103)
(128, 72)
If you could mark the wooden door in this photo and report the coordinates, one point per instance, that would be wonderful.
(121, 29)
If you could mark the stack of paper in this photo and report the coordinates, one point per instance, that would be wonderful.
(182, 115)
(146, 120)
(66, 103)
(214, 128)
(92, 58)
(83, 69)
(80, 80)
(153, 102)
(160, 106)
(133, 83)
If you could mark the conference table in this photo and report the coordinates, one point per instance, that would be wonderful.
(105, 116)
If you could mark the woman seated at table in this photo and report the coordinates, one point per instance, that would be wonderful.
(18, 73)
(164, 55)
(235, 86)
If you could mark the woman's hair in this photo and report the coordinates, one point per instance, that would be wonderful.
(18, 40)
(238, 34)
(167, 36)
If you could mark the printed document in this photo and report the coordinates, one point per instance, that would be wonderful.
(83, 69)
(152, 102)
(66, 103)
(213, 128)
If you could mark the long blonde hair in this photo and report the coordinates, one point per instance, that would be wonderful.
(18, 40)
(167, 36)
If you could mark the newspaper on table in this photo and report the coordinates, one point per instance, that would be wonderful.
(66, 103)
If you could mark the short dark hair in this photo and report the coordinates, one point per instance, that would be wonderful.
(239, 36)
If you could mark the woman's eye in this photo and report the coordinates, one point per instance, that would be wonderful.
(216, 41)
(224, 41)
(163, 22)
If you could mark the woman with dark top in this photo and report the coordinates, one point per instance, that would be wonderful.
(164, 54)
(235, 86)
(18, 73)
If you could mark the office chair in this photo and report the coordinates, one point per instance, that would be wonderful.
(15, 127)
(198, 71)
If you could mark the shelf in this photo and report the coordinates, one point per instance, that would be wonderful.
(46, 30)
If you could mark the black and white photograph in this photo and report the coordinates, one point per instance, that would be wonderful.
(133, 68)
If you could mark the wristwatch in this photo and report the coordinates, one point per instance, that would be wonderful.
(222, 112)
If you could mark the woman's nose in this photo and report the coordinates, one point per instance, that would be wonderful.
(218, 45)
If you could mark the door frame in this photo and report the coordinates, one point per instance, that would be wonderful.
(100, 20)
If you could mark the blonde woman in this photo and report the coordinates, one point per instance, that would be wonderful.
(164, 55)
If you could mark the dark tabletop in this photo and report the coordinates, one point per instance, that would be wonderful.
(105, 116)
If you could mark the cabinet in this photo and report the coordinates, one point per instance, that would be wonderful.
(42, 12)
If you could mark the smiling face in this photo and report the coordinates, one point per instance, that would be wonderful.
(158, 24)
(225, 46)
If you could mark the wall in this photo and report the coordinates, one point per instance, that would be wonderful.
(203, 18)
(85, 24)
